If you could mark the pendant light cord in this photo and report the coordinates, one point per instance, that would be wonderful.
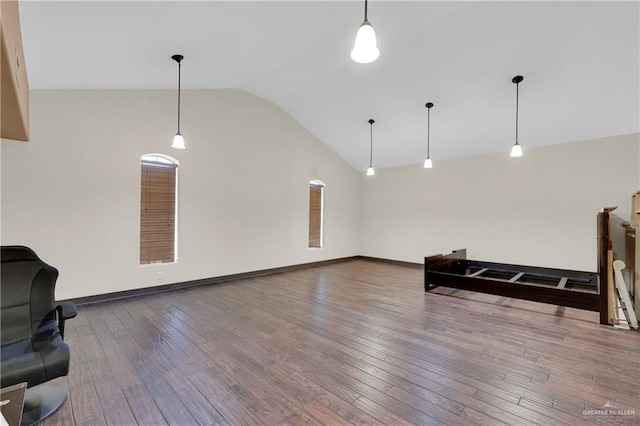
(428, 129)
(365, 10)
(517, 102)
(371, 146)
(179, 78)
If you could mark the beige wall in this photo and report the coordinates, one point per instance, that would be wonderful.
(72, 193)
(538, 210)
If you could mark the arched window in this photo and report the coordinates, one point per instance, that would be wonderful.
(316, 213)
(158, 209)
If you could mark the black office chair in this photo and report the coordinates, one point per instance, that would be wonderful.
(32, 329)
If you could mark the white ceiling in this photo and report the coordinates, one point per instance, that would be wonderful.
(580, 62)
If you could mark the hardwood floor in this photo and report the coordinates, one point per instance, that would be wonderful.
(357, 342)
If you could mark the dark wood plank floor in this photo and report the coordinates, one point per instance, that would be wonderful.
(350, 343)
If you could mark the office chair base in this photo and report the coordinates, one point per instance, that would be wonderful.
(40, 402)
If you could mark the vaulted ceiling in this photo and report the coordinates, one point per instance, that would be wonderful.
(580, 62)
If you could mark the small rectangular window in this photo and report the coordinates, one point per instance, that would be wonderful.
(316, 195)
(157, 212)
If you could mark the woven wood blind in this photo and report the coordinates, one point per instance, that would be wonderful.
(157, 213)
(315, 215)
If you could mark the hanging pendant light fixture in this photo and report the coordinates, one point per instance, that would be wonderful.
(365, 49)
(178, 140)
(370, 171)
(428, 163)
(516, 150)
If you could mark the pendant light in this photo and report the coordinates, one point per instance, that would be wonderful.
(516, 150)
(178, 140)
(428, 163)
(365, 49)
(370, 171)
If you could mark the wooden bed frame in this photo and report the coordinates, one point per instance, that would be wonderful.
(575, 289)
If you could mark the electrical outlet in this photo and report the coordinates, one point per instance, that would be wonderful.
(159, 276)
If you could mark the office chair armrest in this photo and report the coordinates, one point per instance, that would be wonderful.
(65, 311)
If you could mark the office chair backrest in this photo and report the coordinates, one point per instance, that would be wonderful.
(27, 289)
